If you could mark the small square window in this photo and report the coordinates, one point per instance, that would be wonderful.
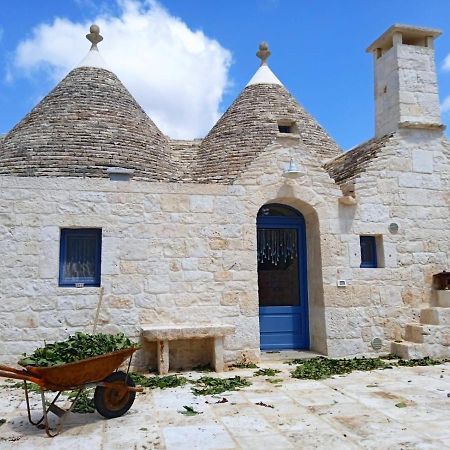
(284, 128)
(80, 257)
(368, 251)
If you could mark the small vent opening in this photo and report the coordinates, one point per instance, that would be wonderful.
(285, 128)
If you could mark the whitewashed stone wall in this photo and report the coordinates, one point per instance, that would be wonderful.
(408, 185)
(170, 254)
(177, 253)
(406, 88)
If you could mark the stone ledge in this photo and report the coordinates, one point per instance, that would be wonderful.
(419, 125)
(174, 332)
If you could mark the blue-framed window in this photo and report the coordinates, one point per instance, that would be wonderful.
(80, 257)
(368, 251)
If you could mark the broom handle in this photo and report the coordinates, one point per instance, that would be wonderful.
(97, 313)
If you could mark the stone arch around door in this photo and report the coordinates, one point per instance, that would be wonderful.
(305, 323)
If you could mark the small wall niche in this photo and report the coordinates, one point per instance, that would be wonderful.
(441, 281)
(119, 173)
(287, 127)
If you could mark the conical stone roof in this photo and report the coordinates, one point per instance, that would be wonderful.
(88, 123)
(251, 123)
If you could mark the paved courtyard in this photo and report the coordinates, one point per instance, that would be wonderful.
(399, 408)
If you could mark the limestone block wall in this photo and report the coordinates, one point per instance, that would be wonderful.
(407, 185)
(186, 253)
(406, 88)
(171, 253)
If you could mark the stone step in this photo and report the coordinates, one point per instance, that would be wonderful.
(435, 316)
(428, 334)
(407, 350)
(443, 299)
(414, 350)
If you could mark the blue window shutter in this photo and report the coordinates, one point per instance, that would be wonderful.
(368, 251)
(80, 256)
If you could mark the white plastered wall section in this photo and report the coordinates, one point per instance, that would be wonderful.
(408, 185)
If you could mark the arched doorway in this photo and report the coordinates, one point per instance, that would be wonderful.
(282, 278)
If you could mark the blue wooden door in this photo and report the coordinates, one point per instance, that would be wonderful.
(282, 280)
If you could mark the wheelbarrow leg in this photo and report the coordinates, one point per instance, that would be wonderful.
(27, 398)
(61, 413)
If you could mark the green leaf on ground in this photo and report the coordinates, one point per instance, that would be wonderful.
(210, 385)
(244, 365)
(32, 387)
(189, 411)
(266, 372)
(274, 380)
(401, 405)
(321, 367)
(2, 421)
(154, 382)
(85, 402)
(427, 361)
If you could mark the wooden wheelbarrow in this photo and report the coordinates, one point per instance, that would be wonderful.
(114, 393)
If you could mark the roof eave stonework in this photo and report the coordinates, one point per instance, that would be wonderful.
(347, 167)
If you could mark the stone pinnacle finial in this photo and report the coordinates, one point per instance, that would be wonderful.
(263, 53)
(94, 36)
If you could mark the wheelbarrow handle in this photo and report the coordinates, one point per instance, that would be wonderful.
(120, 387)
(10, 369)
(10, 372)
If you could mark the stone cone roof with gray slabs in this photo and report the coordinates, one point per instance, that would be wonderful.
(248, 126)
(89, 122)
(348, 166)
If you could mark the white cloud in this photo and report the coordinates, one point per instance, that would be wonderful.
(446, 65)
(445, 106)
(176, 74)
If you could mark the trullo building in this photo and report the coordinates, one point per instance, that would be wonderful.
(264, 235)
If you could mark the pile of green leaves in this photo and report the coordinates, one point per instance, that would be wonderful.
(32, 387)
(266, 372)
(427, 361)
(244, 365)
(164, 382)
(85, 402)
(75, 348)
(210, 385)
(320, 367)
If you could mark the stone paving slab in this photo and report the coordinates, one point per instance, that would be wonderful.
(356, 411)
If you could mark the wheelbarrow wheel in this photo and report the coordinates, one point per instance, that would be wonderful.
(111, 402)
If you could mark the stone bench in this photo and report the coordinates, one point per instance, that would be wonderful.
(163, 334)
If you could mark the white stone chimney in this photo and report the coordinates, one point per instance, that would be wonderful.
(406, 91)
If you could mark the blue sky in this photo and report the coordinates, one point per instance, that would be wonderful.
(194, 57)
